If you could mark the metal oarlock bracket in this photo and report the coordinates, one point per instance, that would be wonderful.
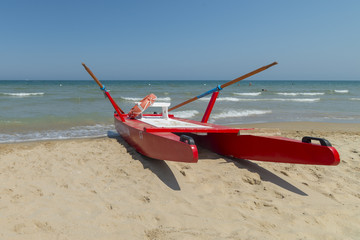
(104, 90)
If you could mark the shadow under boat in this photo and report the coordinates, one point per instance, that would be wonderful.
(159, 168)
(265, 175)
(165, 174)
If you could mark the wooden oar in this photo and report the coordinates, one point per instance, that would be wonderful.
(102, 87)
(218, 88)
(93, 76)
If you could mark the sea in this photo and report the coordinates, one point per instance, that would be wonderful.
(33, 110)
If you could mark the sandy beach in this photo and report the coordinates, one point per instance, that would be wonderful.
(101, 188)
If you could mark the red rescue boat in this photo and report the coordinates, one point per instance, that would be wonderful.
(165, 137)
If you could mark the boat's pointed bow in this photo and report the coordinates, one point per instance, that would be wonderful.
(336, 157)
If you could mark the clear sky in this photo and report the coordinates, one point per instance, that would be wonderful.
(175, 40)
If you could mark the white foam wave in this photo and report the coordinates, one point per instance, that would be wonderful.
(23, 94)
(231, 99)
(341, 91)
(355, 99)
(244, 113)
(228, 99)
(98, 130)
(280, 99)
(340, 118)
(248, 94)
(302, 94)
(185, 114)
(134, 99)
(296, 99)
(164, 99)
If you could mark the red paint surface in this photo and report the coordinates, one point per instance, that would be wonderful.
(163, 144)
(269, 149)
(210, 107)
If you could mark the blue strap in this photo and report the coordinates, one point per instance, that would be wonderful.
(218, 88)
(103, 88)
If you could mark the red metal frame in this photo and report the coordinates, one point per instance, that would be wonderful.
(210, 107)
(115, 106)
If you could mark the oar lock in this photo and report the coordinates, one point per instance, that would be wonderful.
(104, 90)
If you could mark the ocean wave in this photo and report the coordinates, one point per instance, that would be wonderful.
(23, 94)
(296, 99)
(79, 99)
(134, 99)
(185, 114)
(280, 99)
(98, 130)
(228, 99)
(248, 94)
(341, 91)
(244, 113)
(355, 99)
(302, 94)
(231, 99)
(340, 118)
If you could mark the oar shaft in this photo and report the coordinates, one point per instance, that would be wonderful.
(218, 88)
(182, 104)
(248, 75)
(102, 87)
(93, 76)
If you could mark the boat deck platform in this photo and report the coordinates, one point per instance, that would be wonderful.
(160, 124)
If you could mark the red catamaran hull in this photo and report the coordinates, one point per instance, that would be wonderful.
(163, 144)
(269, 149)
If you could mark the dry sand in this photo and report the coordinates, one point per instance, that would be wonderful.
(102, 189)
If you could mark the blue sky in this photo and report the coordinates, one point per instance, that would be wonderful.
(175, 40)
